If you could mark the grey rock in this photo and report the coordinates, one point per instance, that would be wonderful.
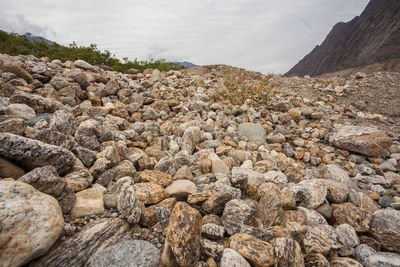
(129, 205)
(237, 212)
(131, 253)
(230, 258)
(56, 138)
(32, 153)
(383, 259)
(386, 219)
(363, 252)
(166, 165)
(276, 177)
(87, 156)
(63, 121)
(213, 231)
(20, 111)
(83, 64)
(309, 193)
(253, 131)
(347, 236)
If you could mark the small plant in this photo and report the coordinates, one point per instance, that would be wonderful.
(238, 87)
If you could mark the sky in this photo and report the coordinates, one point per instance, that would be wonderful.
(269, 36)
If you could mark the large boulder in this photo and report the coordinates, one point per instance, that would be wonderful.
(31, 153)
(367, 141)
(30, 223)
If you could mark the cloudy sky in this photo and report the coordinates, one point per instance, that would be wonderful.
(269, 36)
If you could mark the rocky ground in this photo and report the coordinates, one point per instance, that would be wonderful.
(100, 168)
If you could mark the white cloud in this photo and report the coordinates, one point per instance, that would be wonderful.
(263, 35)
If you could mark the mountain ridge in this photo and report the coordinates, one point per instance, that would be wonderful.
(366, 39)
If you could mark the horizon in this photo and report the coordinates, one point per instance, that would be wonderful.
(200, 33)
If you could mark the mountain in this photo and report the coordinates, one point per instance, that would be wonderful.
(187, 64)
(372, 37)
(37, 38)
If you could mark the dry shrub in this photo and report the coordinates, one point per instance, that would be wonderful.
(238, 87)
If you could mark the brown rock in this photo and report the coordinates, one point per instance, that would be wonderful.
(161, 178)
(183, 234)
(150, 193)
(257, 252)
(216, 202)
(17, 70)
(344, 262)
(10, 170)
(320, 239)
(359, 218)
(316, 259)
(269, 208)
(287, 252)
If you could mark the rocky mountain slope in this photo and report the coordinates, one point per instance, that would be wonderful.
(372, 37)
(99, 168)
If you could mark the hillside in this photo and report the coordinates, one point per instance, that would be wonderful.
(206, 166)
(372, 37)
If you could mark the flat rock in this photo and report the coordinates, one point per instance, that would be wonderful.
(30, 223)
(181, 188)
(20, 111)
(367, 141)
(129, 205)
(130, 253)
(31, 153)
(183, 234)
(219, 166)
(157, 177)
(253, 131)
(88, 202)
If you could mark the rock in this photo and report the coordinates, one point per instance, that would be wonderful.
(31, 153)
(150, 193)
(253, 131)
(347, 236)
(30, 223)
(38, 103)
(309, 193)
(79, 180)
(181, 188)
(219, 166)
(45, 179)
(269, 208)
(337, 174)
(230, 258)
(211, 249)
(363, 201)
(320, 239)
(344, 262)
(67, 199)
(87, 156)
(130, 253)
(20, 111)
(316, 259)
(157, 177)
(83, 64)
(257, 252)
(337, 192)
(385, 228)
(212, 231)
(385, 202)
(88, 202)
(358, 218)
(63, 121)
(183, 234)
(287, 252)
(276, 177)
(56, 138)
(78, 249)
(237, 212)
(17, 70)
(383, 259)
(166, 165)
(367, 141)
(129, 205)
(10, 170)
(363, 252)
(216, 202)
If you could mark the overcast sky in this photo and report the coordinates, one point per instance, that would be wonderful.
(263, 35)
